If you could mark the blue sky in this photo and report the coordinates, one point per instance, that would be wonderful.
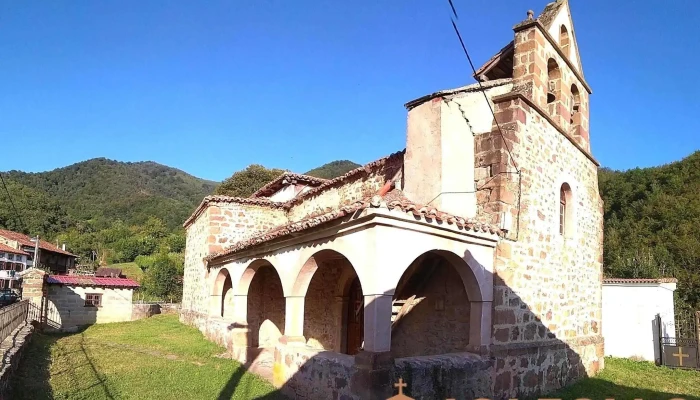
(210, 87)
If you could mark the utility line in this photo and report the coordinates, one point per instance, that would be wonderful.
(9, 196)
(481, 87)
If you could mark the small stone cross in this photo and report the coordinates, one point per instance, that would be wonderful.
(400, 385)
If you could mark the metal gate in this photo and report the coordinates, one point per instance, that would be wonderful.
(683, 350)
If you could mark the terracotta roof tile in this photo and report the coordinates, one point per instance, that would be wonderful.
(640, 280)
(393, 200)
(25, 240)
(287, 178)
(263, 202)
(79, 280)
(7, 249)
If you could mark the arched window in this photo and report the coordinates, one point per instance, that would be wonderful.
(553, 81)
(564, 39)
(565, 211)
(575, 105)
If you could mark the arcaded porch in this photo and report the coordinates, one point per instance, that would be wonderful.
(382, 285)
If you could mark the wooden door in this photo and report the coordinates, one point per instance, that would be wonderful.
(356, 318)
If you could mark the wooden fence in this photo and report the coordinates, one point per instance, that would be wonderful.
(12, 316)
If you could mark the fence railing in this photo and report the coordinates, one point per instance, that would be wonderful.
(12, 316)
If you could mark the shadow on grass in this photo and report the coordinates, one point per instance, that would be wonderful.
(31, 380)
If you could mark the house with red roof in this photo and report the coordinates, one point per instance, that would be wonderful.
(72, 301)
(12, 262)
(52, 258)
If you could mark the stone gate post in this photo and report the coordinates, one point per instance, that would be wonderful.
(34, 289)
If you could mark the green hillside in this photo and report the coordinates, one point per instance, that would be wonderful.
(652, 224)
(100, 191)
(333, 169)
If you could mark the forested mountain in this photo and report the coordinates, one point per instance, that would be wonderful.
(100, 191)
(333, 169)
(652, 224)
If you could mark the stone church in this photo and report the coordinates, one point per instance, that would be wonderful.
(468, 265)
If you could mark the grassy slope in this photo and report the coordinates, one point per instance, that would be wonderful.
(155, 358)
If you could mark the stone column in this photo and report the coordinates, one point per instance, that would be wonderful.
(374, 364)
(294, 321)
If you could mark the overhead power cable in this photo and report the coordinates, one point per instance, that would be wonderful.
(481, 87)
(9, 196)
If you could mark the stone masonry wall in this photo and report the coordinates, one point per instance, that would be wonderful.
(358, 187)
(266, 306)
(439, 323)
(66, 308)
(547, 289)
(322, 316)
(195, 294)
(12, 349)
(219, 226)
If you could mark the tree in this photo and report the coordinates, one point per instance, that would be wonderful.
(333, 169)
(246, 182)
(163, 277)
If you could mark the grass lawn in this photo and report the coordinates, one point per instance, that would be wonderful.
(160, 358)
(154, 358)
(625, 379)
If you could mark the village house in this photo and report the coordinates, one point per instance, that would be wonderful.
(69, 302)
(468, 265)
(12, 261)
(55, 259)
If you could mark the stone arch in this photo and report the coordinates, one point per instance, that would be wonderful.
(333, 302)
(553, 81)
(575, 107)
(243, 285)
(221, 294)
(261, 286)
(437, 307)
(564, 39)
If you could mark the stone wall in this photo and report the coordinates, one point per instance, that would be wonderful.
(224, 221)
(547, 288)
(456, 376)
(12, 349)
(439, 323)
(311, 374)
(66, 308)
(323, 311)
(363, 184)
(266, 307)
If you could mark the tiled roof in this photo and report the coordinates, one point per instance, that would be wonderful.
(285, 179)
(263, 202)
(79, 280)
(393, 200)
(640, 280)
(25, 240)
(363, 170)
(7, 249)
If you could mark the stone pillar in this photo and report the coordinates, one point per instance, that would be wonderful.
(374, 364)
(294, 321)
(34, 288)
(341, 308)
